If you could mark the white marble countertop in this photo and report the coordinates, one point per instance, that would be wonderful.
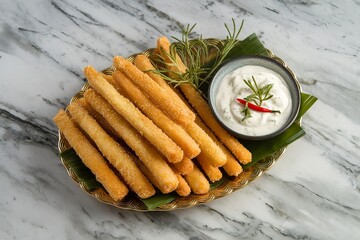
(312, 192)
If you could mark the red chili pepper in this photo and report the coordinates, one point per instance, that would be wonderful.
(256, 107)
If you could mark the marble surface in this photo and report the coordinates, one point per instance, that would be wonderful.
(311, 193)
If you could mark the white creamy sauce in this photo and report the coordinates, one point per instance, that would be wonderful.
(260, 123)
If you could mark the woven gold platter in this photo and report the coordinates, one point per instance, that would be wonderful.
(131, 202)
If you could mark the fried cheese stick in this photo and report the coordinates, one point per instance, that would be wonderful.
(213, 173)
(163, 48)
(202, 107)
(133, 115)
(146, 152)
(185, 166)
(144, 64)
(173, 130)
(209, 149)
(183, 188)
(154, 91)
(149, 175)
(116, 154)
(197, 181)
(90, 156)
(100, 119)
(232, 166)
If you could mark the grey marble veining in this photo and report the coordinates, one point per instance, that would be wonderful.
(312, 192)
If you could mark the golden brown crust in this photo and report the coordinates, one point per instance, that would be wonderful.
(213, 173)
(154, 91)
(183, 188)
(100, 119)
(173, 130)
(185, 166)
(203, 109)
(146, 152)
(152, 178)
(90, 156)
(232, 166)
(145, 65)
(197, 181)
(209, 149)
(115, 153)
(133, 115)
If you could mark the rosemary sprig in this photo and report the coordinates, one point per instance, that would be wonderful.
(258, 96)
(230, 42)
(194, 53)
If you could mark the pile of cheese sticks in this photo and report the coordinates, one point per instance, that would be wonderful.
(135, 131)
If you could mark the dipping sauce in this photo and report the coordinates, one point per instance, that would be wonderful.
(233, 86)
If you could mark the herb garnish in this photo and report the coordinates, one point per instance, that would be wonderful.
(194, 54)
(258, 96)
